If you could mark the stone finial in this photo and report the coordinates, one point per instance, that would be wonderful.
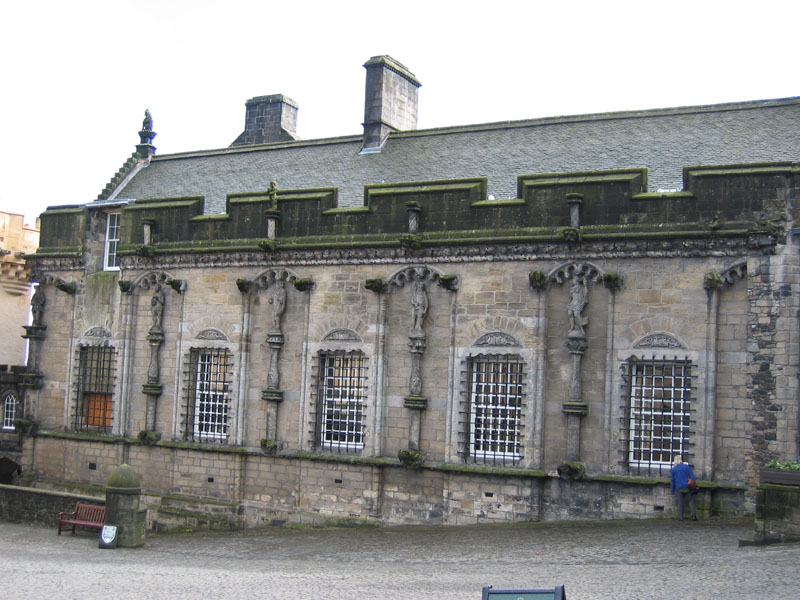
(574, 201)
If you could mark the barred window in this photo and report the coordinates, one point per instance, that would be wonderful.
(495, 407)
(9, 411)
(110, 262)
(94, 387)
(341, 394)
(660, 411)
(208, 395)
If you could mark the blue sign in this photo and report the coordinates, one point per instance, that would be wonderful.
(556, 593)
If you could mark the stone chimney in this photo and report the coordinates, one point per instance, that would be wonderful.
(268, 119)
(390, 102)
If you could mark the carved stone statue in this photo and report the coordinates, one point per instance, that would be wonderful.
(575, 306)
(147, 124)
(278, 302)
(419, 304)
(272, 193)
(37, 306)
(157, 306)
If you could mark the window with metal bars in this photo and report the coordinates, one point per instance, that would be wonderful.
(110, 262)
(660, 397)
(341, 388)
(94, 388)
(208, 395)
(9, 411)
(495, 390)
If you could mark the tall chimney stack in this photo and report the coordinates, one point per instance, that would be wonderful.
(268, 119)
(390, 102)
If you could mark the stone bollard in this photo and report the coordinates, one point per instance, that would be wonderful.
(122, 506)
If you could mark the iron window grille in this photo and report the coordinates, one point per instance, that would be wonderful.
(494, 414)
(341, 389)
(208, 395)
(9, 411)
(659, 412)
(94, 388)
(110, 262)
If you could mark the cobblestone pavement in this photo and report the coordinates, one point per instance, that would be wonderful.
(620, 560)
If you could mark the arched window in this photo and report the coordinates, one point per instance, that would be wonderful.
(9, 411)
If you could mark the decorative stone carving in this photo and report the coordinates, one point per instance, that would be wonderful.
(37, 306)
(278, 302)
(342, 335)
(97, 332)
(157, 306)
(419, 305)
(212, 335)
(414, 209)
(497, 338)
(272, 213)
(68, 287)
(577, 302)
(502, 251)
(658, 340)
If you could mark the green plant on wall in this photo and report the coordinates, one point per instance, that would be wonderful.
(411, 458)
(572, 235)
(411, 241)
(149, 438)
(269, 446)
(376, 285)
(712, 281)
(268, 245)
(538, 280)
(786, 465)
(612, 281)
(145, 250)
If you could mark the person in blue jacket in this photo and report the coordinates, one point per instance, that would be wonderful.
(679, 482)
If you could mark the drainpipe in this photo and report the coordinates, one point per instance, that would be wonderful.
(796, 231)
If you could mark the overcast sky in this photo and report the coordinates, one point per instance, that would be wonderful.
(77, 76)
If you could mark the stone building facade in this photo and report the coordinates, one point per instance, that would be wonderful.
(396, 333)
(16, 239)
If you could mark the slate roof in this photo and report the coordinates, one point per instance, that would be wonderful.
(663, 140)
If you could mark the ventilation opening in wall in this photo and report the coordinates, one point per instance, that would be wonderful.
(657, 508)
(210, 480)
(337, 481)
(489, 494)
(92, 466)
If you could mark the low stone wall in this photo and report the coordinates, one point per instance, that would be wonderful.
(28, 505)
(777, 513)
(189, 487)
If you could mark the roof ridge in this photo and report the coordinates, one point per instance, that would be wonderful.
(495, 125)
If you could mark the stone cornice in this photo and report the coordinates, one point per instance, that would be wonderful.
(654, 248)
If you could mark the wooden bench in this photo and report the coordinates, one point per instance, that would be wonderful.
(84, 515)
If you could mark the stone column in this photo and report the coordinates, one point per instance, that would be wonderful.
(575, 408)
(416, 345)
(122, 507)
(413, 216)
(415, 401)
(155, 337)
(574, 201)
(273, 395)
